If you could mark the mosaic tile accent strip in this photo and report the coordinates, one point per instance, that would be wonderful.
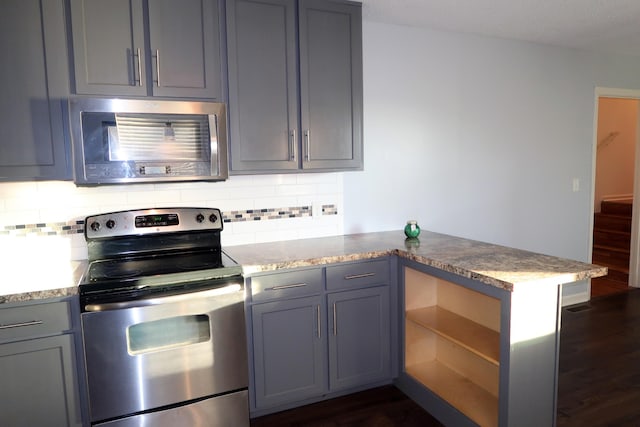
(266, 214)
(329, 210)
(44, 229)
(77, 226)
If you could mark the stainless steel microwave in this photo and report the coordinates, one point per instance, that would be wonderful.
(119, 141)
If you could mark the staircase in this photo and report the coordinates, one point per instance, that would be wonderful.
(611, 246)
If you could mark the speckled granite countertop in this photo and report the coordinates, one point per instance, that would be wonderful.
(41, 283)
(495, 265)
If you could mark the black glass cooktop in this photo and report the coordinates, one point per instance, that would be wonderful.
(152, 265)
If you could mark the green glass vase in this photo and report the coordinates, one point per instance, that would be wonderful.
(412, 229)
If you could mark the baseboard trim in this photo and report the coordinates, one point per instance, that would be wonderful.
(576, 298)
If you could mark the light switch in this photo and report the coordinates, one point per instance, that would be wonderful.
(576, 184)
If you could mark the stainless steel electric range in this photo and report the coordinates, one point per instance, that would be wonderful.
(163, 321)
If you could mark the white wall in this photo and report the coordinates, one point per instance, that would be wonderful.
(480, 137)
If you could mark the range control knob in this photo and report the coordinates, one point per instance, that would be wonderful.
(110, 224)
(200, 218)
(213, 217)
(95, 226)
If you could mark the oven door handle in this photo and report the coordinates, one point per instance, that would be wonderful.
(228, 289)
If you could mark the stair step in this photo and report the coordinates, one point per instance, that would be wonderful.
(617, 207)
(612, 238)
(612, 222)
(610, 257)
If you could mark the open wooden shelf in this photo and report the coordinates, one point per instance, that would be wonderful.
(470, 399)
(478, 339)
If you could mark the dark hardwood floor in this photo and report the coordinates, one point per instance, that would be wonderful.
(380, 407)
(599, 383)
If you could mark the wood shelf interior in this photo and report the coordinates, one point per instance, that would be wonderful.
(452, 344)
(470, 399)
(480, 340)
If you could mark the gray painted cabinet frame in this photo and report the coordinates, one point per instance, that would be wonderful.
(335, 339)
(295, 85)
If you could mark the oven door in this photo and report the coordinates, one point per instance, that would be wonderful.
(148, 354)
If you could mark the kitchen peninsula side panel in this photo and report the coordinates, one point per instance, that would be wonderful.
(475, 354)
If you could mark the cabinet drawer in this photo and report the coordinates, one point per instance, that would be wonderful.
(286, 284)
(359, 274)
(27, 321)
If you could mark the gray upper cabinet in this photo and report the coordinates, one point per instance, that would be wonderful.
(263, 93)
(35, 79)
(108, 47)
(157, 48)
(331, 84)
(288, 109)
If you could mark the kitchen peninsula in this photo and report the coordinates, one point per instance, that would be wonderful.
(474, 326)
(467, 329)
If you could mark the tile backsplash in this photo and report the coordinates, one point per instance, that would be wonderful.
(37, 216)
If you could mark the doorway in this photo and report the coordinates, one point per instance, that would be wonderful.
(616, 173)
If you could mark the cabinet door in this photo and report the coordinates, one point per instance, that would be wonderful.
(35, 79)
(108, 47)
(288, 343)
(39, 383)
(185, 55)
(263, 96)
(331, 84)
(359, 337)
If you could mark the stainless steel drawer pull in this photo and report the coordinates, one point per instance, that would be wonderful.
(359, 276)
(21, 324)
(335, 320)
(318, 317)
(295, 285)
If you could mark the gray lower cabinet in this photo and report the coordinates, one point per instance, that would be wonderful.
(359, 337)
(316, 334)
(35, 79)
(157, 48)
(288, 343)
(38, 366)
(295, 85)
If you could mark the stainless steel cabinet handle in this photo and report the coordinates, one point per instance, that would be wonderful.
(318, 319)
(21, 324)
(158, 67)
(292, 144)
(139, 67)
(359, 276)
(335, 320)
(295, 285)
(307, 137)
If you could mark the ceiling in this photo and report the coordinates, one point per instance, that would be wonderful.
(601, 25)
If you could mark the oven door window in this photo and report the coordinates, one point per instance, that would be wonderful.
(168, 333)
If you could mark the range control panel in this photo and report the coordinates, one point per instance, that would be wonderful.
(150, 221)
